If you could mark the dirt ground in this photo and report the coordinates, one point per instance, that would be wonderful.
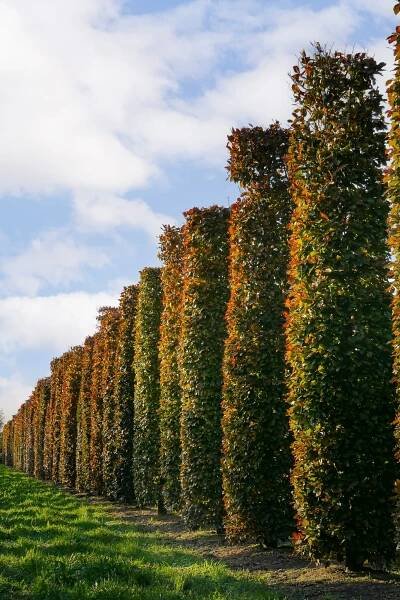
(282, 571)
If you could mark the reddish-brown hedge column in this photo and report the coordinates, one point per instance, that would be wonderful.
(170, 389)
(43, 394)
(257, 456)
(83, 419)
(57, 366)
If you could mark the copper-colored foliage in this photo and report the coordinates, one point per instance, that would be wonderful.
(256, 457)
(170, 389)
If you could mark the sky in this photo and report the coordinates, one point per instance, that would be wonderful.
(113, 121)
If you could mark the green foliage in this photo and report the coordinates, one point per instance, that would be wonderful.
(28, 455)
(42, 394)
(338, 326)
(205, 295)
(69, 400)
(110, 329)
(393, 184)
(124, 396)
(57, 376)
(96, 411)
(170, 389)
(147, 389)
(83, 419)
(256, 444)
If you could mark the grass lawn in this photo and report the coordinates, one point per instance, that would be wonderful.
(55, 546)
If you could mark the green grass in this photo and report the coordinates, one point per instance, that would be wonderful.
(57, 547)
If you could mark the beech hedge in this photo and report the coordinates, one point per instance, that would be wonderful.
(257, 456)
(203, 332)
(338, 324)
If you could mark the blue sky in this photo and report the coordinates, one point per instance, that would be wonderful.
(113, 119)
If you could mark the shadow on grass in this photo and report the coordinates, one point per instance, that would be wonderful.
(54, 546)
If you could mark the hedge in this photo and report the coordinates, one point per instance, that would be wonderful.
(338, 326)
(69, 402)
(147, 390)
(257, 457)
(83, 417)
(110, 329)
(57, 367)
(96, 410)
(42, 393)
(393, 183)
(124, 397)
(170, 389)
(203, 331)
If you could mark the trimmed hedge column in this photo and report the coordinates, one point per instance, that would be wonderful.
(57, 377)
(147, 390)
(257, 456)
(83, 419)
(170, 389)
(69, 403)
(124, 396)
(43, 395)
(205, 295)
(338, 326)
(110, 328)
(393, 182)
(96, 410)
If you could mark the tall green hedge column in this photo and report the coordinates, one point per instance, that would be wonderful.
(83, 419)
(170, 393)
(124, 396)
(43, 396)
(69, 403)
(338, 327)
(110, 329)
(257, 456)
(147, 390)
(57, 366)
(205, 295)
(393, 181)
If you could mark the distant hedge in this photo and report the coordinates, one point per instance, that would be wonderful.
(124, 392)
(147, 390)
(69, 402)
(57, 366)
(257, 457)
(96, 409)
(42, 393)
(203, 332)
(110, 332)
(83, 419)
(338, 326)
(170, 388)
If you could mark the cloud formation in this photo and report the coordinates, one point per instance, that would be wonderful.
(49, 323)
(96, 105)
(53, 259)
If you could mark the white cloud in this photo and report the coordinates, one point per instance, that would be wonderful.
(13, 392)
(92, 99)
(103, 212)
(50, 323)
(53, 259)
